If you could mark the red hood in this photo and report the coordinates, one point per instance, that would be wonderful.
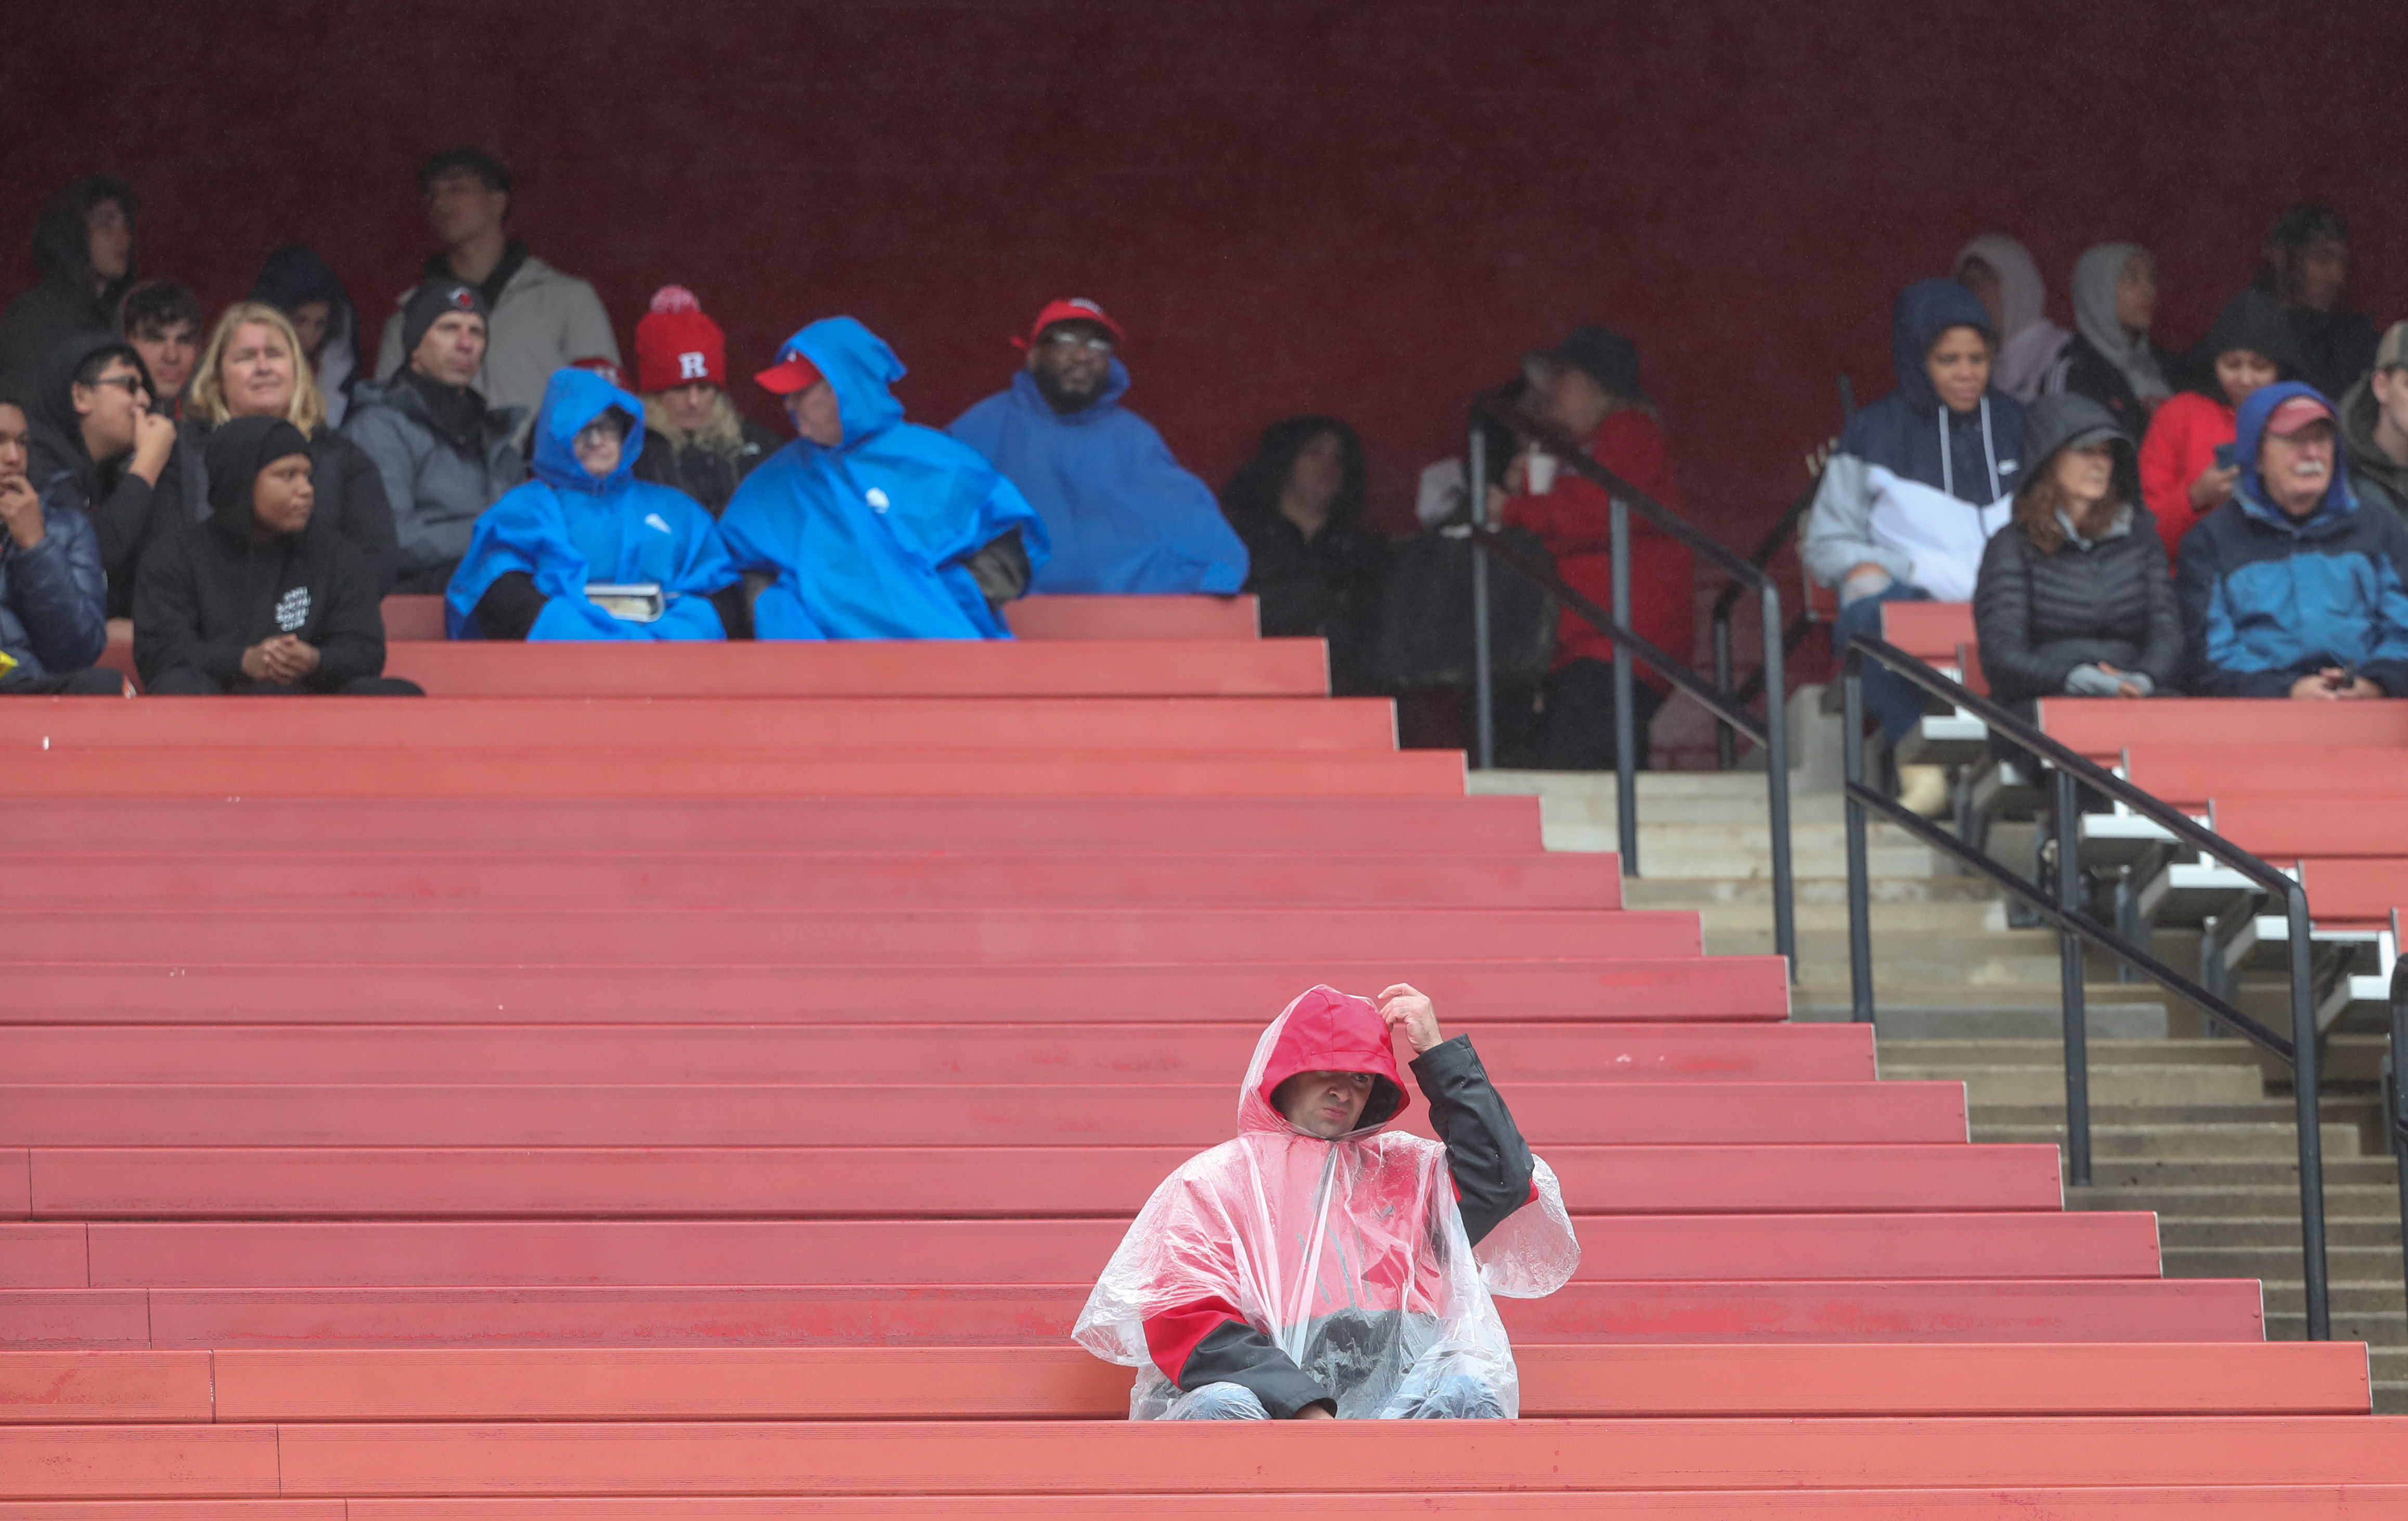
(1324, 1031)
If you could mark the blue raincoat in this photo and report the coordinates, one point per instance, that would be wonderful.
(1122, 513)
(868, 540)
(568, 529)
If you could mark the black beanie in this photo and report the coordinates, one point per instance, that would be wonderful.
(237, 450)
(432, 301)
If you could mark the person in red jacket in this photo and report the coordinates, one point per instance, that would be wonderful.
(1588, 386)
(2181, 480)
(1322, 1263)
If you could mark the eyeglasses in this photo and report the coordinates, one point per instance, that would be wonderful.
(133, 383)
(1068, 341)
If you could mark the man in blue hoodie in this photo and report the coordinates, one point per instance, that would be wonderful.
(1122, 514)
(2291, 588)
(867, 526)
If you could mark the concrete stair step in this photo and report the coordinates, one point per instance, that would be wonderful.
(2047, 1053)
(2193, 1232)
(1942, 1012)
(2358, 1184)
(1807, 890)
(2356, 1264)
(2111, 1088)
(2374, 1324)
(2175, 1142)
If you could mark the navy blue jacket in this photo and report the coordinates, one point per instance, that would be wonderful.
(2268, 598)
(55, 597)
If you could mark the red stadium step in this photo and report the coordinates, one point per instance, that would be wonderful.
(2191, 778)
(941, 1114)
(41, 1255)
(2105, 726)
(721, 1253)
(1930, 631)
(1042, 617)
(1109, 1182)
(1976, 1307)
(756, 936)
(794, 879)
(2364, 893)
(1054, 1053)
(2285, 830)
(1733, 989)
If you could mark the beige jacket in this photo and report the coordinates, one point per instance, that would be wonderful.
(544, 319)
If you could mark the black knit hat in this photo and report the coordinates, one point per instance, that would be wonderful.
(1600, 353)
(434, 299)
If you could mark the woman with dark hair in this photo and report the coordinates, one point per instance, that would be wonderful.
(2074, 598)
(1299, 507)
(2186, 471)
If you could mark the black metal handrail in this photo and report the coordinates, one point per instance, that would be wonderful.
(2395, 1093)
(1624, 498)
(1726, 747)
(2062, 908)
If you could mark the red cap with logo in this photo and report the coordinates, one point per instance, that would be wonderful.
(2296, 413)
(677, 345)
(1078, 309)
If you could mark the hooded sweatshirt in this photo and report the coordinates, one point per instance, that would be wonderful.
(2373, 475)
(444, 456)
(2189, 428)
(2267, 598)
(1358, 1270)
(2031, 343)
(128, 513)
(2124, 373)
(541, 320)
(293, 276)
(1913, 487)
(211, 591)
(1120, 512)
(64, 302)
(566, 529)
(871, 539)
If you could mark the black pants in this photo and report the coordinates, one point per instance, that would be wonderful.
(1566, 722)
(95, 683)
(184, 681)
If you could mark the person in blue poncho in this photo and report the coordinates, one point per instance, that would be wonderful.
(541, 557)
(867, 526)
(1123, 515)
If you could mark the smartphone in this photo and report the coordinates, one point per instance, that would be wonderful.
(2224, 460)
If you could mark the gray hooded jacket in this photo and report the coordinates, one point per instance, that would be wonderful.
(436, 488)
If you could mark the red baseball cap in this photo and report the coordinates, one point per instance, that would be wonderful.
(789, 375)
(1078, 309)
(2296, 413)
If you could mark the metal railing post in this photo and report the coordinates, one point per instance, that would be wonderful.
(1625, 718)
(2395, 1093)
(1851, 749)
(1725, 737)
(2306, 1078)
(1776, 786)
(2069, 950)
(1475, 496)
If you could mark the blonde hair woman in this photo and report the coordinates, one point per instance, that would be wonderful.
(254, 366)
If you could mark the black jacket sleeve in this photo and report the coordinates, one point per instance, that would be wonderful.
(509, 606)
(167, 617)
(351, 642)
(1491, 1163)
(367, 517)
(1234, 1352)
(2162, 657)
(2002, 599)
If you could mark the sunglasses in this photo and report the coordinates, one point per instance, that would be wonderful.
(1072, 341)
(132, 383)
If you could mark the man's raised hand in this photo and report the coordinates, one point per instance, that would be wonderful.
(1409, 1006)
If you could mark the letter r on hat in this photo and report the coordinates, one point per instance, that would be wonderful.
(692, 367)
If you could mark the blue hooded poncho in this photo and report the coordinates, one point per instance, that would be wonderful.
(868, 540)
(568, 530)
(1123, 515)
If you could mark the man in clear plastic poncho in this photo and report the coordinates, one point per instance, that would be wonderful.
(1323, 1264)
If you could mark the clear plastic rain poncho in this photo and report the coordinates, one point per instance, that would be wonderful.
(1350, 1255)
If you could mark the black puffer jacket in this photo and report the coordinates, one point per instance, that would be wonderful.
(2110, 599)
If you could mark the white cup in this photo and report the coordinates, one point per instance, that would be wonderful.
(1539, 472)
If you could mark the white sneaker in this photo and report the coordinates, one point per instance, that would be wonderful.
(1923, 789)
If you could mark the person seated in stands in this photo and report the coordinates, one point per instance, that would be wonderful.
(303, 286)
(2074, 597)
(1324, 1263)
(249, 602)
(542, 554)
(1311, 558)
(2112, 359)
(1916, 486)
(694, 440)
(99, 449)
(2186, 469)
(867, 526)
(1120, 512)
(257, 364)
(2375, 426)
(53, 595)
(163, 321)
(2294, 588)
(1588, 387)
(2307, 269)
(445, 455)
(83, 257)
(2001, 275)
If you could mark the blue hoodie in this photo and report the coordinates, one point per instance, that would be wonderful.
(567, 529)
(2268, 598)
(1893, 492)
(868, 540)
(1122, 513)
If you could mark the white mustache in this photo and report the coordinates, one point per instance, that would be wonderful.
(2311, 468)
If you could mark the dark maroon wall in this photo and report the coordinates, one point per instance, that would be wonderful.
(1363, 208)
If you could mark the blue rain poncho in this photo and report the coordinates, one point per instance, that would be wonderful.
(867, 541)
(568, 530)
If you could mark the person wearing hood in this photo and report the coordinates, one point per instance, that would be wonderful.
(249, 602)
(2112, 359)
(1324, 1263)
(1121, 513)
(84, 264)
(255, 366)
(444, 454)
(304, 287)
(584, 521)
(1312, 561)
(541, 319)
(99, 449)
(2293, 588)
(2186, 471)
(53, 595)
(163, 321)
(2375, 426)
(2307, 268)
(2001, 275)
(2074, 597)
(694, 437)
(1913, 490)
(867, 526)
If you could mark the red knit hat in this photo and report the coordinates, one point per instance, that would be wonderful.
(677, 345)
